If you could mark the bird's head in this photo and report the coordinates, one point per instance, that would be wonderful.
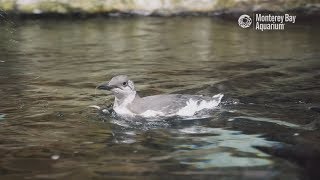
(120, 86)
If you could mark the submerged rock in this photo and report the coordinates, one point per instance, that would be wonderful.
(158, 7)
(315, 108)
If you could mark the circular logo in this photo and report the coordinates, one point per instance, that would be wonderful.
(244, 21)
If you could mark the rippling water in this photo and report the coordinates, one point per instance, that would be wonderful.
(264, 128)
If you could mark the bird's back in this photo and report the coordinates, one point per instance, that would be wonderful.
(166, 104)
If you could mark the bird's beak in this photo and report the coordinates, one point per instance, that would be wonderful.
(105, 87)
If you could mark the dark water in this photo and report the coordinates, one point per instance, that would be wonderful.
(264, 128)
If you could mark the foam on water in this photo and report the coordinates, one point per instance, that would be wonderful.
(195, 106)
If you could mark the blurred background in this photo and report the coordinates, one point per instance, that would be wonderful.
(157, 7)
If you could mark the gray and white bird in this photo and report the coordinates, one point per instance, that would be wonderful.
(128, 103)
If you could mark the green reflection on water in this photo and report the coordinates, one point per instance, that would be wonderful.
(222, 148)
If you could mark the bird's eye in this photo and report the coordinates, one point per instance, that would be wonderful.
(124, 83)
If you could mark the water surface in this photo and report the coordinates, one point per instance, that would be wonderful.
(264, 129)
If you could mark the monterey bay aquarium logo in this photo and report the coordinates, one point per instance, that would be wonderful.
(263, 22)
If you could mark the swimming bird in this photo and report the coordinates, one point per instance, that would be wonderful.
(128, 103)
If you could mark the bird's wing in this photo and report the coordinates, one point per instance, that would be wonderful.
(167, 104)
